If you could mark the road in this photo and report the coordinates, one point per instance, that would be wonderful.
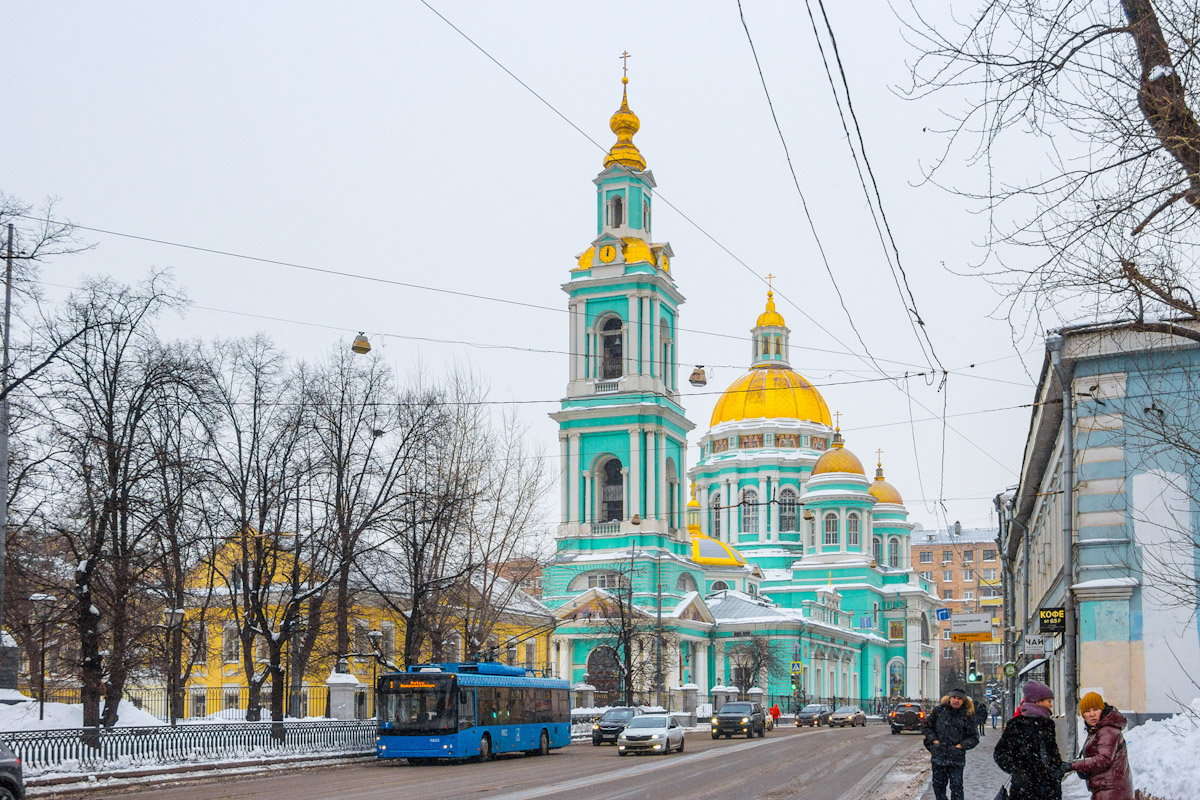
(808, 764)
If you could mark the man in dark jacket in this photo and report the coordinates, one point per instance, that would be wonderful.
(949, 733)
(1028, 749)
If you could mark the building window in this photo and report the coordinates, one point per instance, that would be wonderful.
(230, 644)
(946, 634)
(749, 511)
(947, 556)
(947, 576)
(894, 553)
(612, 341)
(927, 576)
(968, 574)
(988, 574)
(831, 529)
(646, 219)
(787, 510)
(877, 550)
(603, 580)
(720, 586)
(530, 655)
(612, 492)
(616, 212)
(715, 527)
(926, 556)
(664, 338)
(947, 594)
(947, 654)
(969, 594)
(968, 556)
(852, 530)
(989, 555)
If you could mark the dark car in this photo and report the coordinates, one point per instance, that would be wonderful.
(813, 715)
(847, 715)
(740, 717)
(906, 717)
(12, 785)
(611, 723)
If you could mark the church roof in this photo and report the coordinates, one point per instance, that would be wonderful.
(706, 550)
(625, 124)
(838, 459)
(881, 490)
(770, 317)
(771, 392)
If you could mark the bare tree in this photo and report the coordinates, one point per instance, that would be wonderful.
(1080, 121)
(756, 663)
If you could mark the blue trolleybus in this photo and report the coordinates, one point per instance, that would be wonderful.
(469, 711)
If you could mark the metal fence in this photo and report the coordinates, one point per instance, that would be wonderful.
(80, 749)
(223, 702)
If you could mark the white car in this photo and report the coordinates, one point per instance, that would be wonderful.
(651, 733)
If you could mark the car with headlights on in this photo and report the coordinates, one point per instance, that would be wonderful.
(847, 715)
(611, 723)
(740, 717)
(906, 717)
(651, 733)
(813, 715)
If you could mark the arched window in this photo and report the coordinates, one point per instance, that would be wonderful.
(597, 580)
(612, 356)
(749, 511)
(664, 337)
(852, 530)
(611, 492)
(877, 550)
(685, 583)
(672, 495)
(831, 529)
(766, 345)
(646, 219)
(894, 552)
(715, 527)
(616, 211)
(787, 510)
(778, 345)
(720, 586)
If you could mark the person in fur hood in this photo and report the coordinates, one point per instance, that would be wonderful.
(1105, 762)
(949, 733)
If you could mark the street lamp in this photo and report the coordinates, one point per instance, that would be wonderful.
(376, 637)
(43, 604)
(173, 620)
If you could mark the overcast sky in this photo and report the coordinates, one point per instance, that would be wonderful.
(372, 138)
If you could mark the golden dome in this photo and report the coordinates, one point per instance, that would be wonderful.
(585, 258)
(770, 317)
(771, 392)
(838, 459)
(625, 124)
(707, 550)
(635, 250)
(881, 490)
(693, 503)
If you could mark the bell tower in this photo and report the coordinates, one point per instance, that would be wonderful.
(622, 432)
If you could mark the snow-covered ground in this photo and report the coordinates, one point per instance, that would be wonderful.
(23, 715)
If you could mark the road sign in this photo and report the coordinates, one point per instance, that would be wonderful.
(797, 667)
(1034, 644)
(942, 614)
(1052, 620)
(1010, 669)
(971, 637)
(972, 623)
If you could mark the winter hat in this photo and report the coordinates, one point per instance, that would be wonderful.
(1091, 701)
(959, 693)
(1036, 692)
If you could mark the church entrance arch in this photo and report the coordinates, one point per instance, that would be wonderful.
(604, 672)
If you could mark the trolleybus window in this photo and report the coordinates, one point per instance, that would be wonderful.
(420, 705)
(466, 709)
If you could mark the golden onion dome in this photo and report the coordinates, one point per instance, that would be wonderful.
(585, 258)
(636, 250)
(625, 124)
(771, 392)
(881, 490)
(770, 317)
(707, 550)
(838, 459)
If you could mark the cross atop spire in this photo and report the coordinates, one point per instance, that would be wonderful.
(837, 416)
(625, 56)
(770, 278)
(879, 457)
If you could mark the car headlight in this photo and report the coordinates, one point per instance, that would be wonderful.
(595, 727)
(745, 720)
(656, 736)
(714, 720)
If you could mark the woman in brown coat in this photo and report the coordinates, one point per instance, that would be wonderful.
(1105, 761)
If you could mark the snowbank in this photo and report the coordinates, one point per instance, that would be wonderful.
(23, 716)
(1163, 755)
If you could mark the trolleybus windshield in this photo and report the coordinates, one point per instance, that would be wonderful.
(419, 704)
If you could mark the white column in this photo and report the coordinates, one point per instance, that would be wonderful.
(664, 488)
(762, 509)
(702, 498)
(564, 472)
(730, 514)
(586, 497)
(684, 496)
(647, 352)
(700, 667)
(652, 500)
(580, 339)
(634, 339)
(635, 473)
(627, 488)
(574, 512)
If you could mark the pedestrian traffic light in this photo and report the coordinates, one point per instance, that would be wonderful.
(972, 672)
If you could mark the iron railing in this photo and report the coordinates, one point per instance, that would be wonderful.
(222, 702)
(80, 749)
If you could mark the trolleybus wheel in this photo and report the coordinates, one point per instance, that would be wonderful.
(485, 748)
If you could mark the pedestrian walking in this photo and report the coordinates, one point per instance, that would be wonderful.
(949, 734)
(1028, 748)
(1105, 762)
(775, 713)
(994, 711)
(981, 716)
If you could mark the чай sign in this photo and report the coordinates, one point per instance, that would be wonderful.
(1052, 620)
(1034, 644)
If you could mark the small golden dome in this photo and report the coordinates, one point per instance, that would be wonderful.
(635, 251)
(838, 459)
(585, 258)
(625, 124)
(770, 317)
(693, 503)
(707, 550)
(771, 392)
(881, 490)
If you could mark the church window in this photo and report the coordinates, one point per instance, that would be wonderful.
(720, 586)
(750, 511)
(778, 345)
(646, 218)
(715, 527)
(685, 583)
(787, 510)
(894, 552)
(831, 529)
(612, 492)
(852, 530)
(877, 550)
(616, 212)
(664, 336)
(611, 349)
(812, 535)
(766, 345)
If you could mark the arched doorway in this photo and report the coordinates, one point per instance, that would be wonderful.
(604, 672)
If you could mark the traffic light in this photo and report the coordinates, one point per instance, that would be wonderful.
(795, 683)
(972, 672)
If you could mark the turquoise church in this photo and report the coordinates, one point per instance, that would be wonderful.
(781, 567)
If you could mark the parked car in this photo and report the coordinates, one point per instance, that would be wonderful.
(906, 717)
(12, 784)
(651, 733)
(740, 717)
(813, 715)
(611, 723)
(847, 715)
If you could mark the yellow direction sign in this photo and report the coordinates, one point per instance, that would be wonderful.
(971, 637)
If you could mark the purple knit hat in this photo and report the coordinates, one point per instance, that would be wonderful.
(1036, 692)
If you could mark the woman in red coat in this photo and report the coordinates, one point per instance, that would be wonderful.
(1105, 761)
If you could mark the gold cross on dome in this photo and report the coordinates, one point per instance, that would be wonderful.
(837, 419)
(879, 456)
(625, 63)
(770, 278)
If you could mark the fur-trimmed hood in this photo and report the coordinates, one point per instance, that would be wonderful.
(968, 704)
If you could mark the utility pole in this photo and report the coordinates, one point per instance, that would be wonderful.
(4, 449)
(658, 671)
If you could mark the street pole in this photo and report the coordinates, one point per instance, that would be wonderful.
(4, 427)
(42, 681)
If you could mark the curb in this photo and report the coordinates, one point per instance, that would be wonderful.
(187, 769)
